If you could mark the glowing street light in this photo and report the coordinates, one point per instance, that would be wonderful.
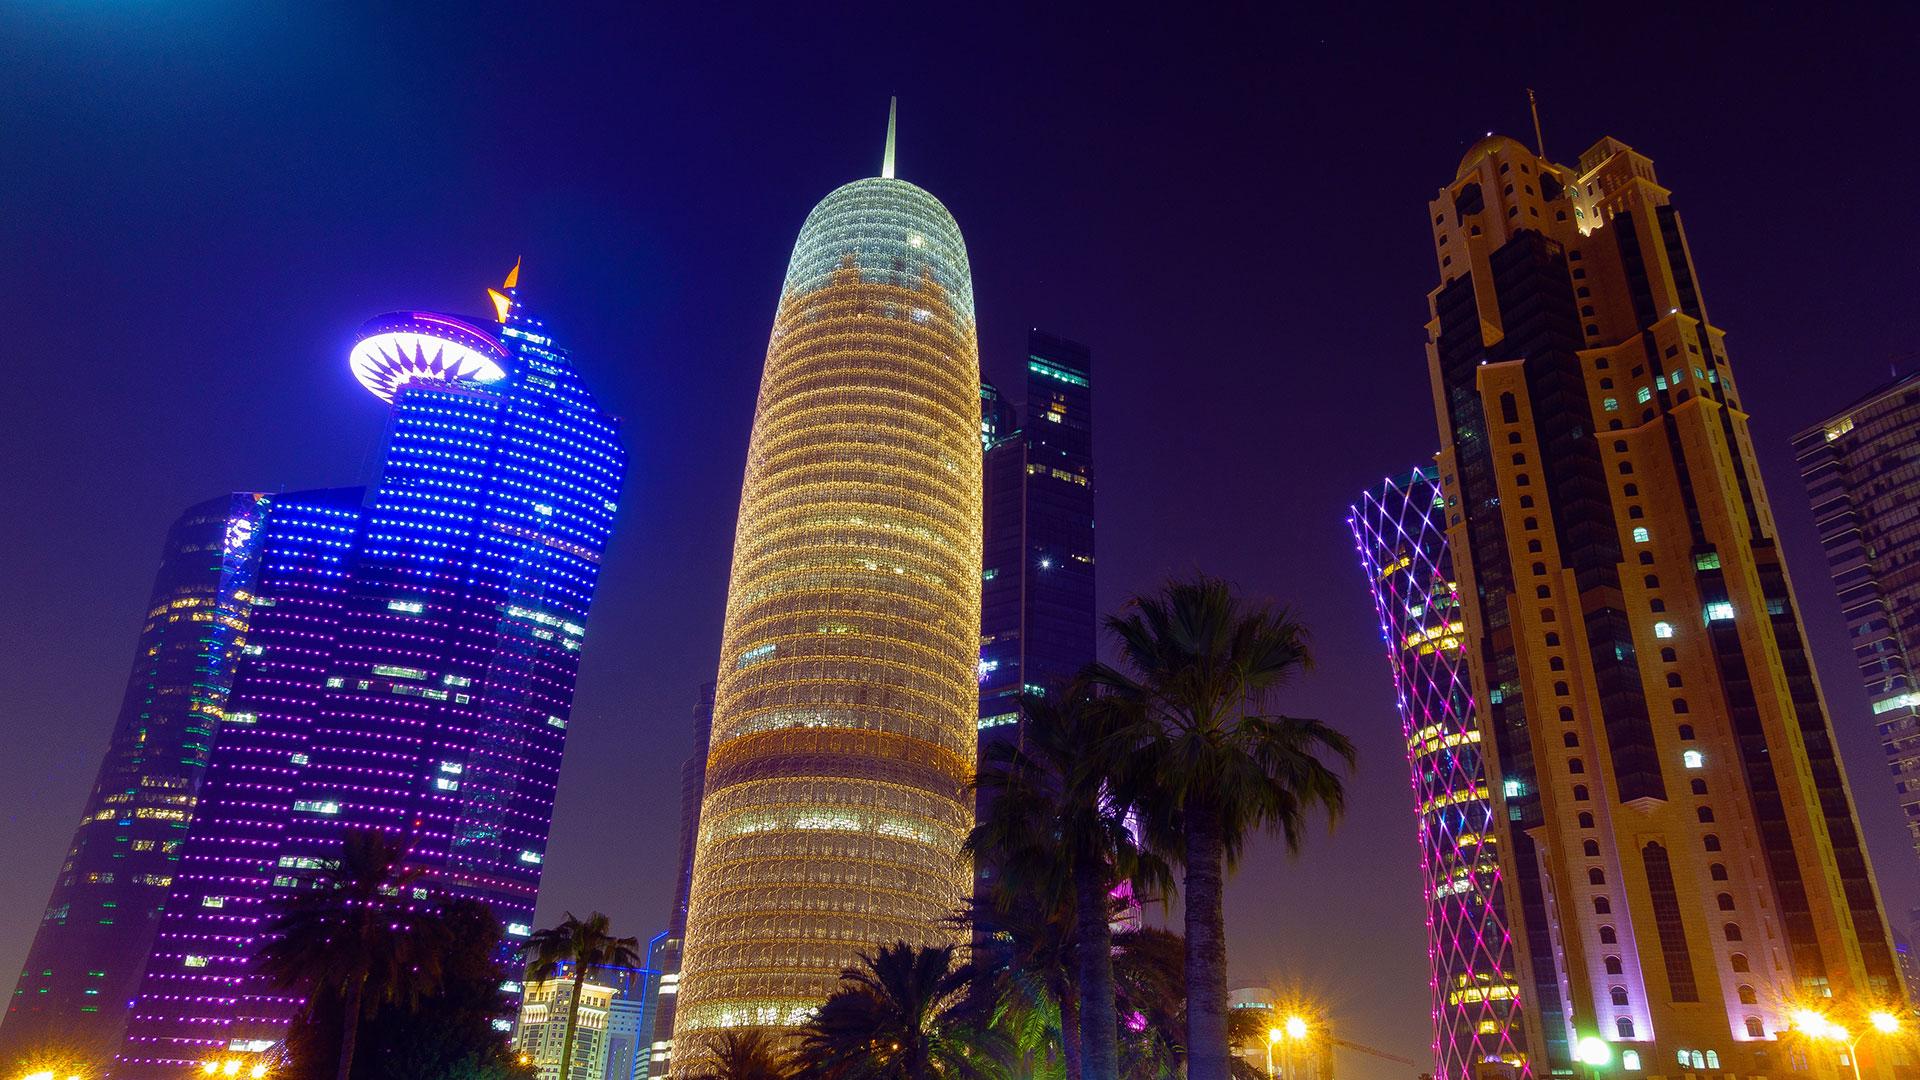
(1594, 1050)
(1296, 1027)
(1883, 1022)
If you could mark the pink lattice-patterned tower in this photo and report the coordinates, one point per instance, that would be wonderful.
(1477, 1026)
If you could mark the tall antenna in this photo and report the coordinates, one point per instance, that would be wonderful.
(1539, 141)
(886, 160)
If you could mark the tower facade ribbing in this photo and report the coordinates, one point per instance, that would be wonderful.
(835, 805)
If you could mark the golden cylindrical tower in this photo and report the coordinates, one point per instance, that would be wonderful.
(844, 723)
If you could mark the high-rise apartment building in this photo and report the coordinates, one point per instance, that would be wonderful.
(1400, 528)
(843, 729)
(664, 954)
(1681, 854)
(608, 1044)
(86, 958)
(410, 667)
(1862, 471)
(1037, 625)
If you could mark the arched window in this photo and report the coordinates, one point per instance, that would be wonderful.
(1526, 502)
(1546, 614)
(1560, 689)
(1693, 759)
(1663, 629)
(1756, 1029)
(1521, 479)
(1539, 568)
(1586, 820)
(1679, 704)
(1579, 793)
(1738, 961)
(1608, 937)
(1619, 446)
(1732, 931)
(1602, 906)
(1541, 592)
(1631, 491)
(1566, 713)
(1673, 679)
(1554, 663)
(1747, 996)
(1518, 459)
(1569, 738)
(1619, 996)
(1553, 639)
(1634, 511)
(1576, 766)
(1699, 787)
(1710, 842)
(1626, 468)
(1653, 581)
(1590, 848)
(1686, 732)
(1595, 876)
(1533, 547)
(1624, 1026)
(1646, 558)
(1705, 814)
(1529, 523)
(1717, 871)
(1612, 962)
(1713, 1058)
(1657, 604)
(1509, 409)
(1725, 900)
(1514, 438)
(1698, 1062)
(1630, 1060)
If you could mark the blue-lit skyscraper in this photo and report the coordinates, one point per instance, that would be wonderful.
(414, 666)
(99, 923)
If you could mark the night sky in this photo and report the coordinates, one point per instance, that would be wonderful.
(201, 202)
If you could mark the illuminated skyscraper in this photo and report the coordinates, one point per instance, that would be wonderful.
(843, 728)
(411, 667)
(1859, 470)
(1679, 845)
(99, 923)
(1400, 528)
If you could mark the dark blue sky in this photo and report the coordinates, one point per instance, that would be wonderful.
(200, 202)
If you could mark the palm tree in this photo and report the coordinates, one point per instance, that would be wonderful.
(347, 937)
(1206, 765)
(586, 944)
(1023, 976)
(900, 1015)
(1050, 818)
(750, 1054)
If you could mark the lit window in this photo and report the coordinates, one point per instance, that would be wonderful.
(1693, 759)
(1719, 611)
(1707, 561)
(1640, 534)
(1512, 789)
(1645, 395)
(1662, 630)
(1611, 404)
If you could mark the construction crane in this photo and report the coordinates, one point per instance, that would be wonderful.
(1382, 1054)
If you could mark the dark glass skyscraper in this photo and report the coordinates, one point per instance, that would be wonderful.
(1036, 608)
(1860, 468)
(412, 670)
(1400, 528)
(665, 950)
(99, 923)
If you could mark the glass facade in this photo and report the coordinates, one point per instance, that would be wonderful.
(843, 732)
(1400, 528)
(667, 949)
(1037, 627)
(1862, 471)
(99, 923)
(411, 670)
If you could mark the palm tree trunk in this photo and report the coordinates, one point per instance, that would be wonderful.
(1093, 949)
(573, 1017)
(349, 1027)
(1205, 860)
(1070, 1033)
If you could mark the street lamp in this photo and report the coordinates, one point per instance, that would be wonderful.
(1816, 1025)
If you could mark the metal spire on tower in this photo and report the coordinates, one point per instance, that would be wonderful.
(886, 160)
